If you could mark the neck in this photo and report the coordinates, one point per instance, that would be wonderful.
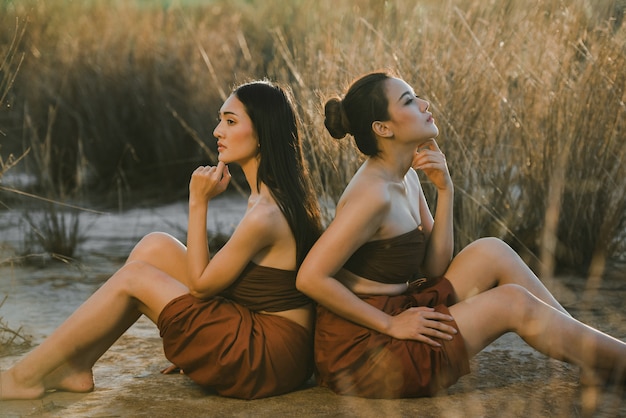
(394, 161)
(250, 171)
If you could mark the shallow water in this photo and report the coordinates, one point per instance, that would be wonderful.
(39, 298)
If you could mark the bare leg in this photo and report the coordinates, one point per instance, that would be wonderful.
(158, 249)
(490, 262)
(167, 254)
(65, 359)
(483, 318)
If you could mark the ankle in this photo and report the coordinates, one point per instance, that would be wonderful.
(23, 377)
(13, 385)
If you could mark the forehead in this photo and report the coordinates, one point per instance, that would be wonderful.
(233, 105)
(395, 88)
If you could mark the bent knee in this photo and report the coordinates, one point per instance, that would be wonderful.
(518, 303)
(133, 274)
(493, 250)
(491, 245)
(156, 240)
(153, 245)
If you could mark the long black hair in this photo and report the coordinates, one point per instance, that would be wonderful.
(281, 165)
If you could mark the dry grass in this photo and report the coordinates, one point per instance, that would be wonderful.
(529, 97)
(12, 340)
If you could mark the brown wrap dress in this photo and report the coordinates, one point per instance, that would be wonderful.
(353, 360)
(226, 345)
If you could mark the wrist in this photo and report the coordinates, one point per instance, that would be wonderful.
(385, 326)
(198, 203)
(448, 189)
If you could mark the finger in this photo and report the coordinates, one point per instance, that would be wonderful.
(422, 309)
(422, 338)
(428, 329)
(428, 157)
(443, 333)
(429, 166)
(204, 170)
(225, 178)
(438, 316)
(430, 144)
(220, 167)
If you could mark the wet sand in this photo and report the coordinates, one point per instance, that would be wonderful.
(508, 379)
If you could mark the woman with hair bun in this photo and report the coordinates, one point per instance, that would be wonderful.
(233, 320)
(398, 315)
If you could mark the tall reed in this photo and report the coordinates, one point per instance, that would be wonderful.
(529, 97)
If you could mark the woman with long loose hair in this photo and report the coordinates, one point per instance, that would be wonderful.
(233, 320)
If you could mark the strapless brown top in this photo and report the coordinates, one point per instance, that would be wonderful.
(261, 288)
(392, 260)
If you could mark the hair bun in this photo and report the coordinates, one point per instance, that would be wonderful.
(335, 119)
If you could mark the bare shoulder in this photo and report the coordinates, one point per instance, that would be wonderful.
(367, 194)
(265, 217)
(360, 213)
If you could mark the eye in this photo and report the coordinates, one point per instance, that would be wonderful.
(412, 99)
(230, 122)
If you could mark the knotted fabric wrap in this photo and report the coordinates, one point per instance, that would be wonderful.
(235, 350)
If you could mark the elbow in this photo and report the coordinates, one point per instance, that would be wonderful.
(304, 281)
(200, 293)
(196, 294)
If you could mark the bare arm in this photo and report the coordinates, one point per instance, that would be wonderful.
(342, 237)
(206, 183)
(440, 230)
(210, 274)
(256, 232)
(355, 223)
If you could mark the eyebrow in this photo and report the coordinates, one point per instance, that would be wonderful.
(226, 113)
(404, 94)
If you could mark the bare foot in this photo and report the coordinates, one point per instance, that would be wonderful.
(172, 369)
(12, 388)
(69, 379)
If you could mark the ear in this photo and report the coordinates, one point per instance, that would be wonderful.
(382, 129)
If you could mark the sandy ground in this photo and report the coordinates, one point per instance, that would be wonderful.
(508, 379)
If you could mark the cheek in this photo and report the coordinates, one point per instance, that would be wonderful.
(405, 121)
(248, 140)
(404, 116)
(252, 138)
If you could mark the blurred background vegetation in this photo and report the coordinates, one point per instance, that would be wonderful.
(113, 104)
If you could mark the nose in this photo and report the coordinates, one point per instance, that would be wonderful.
(217, 131)
(425, 105)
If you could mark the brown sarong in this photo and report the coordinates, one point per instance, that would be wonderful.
(237, 352)
(354, 360)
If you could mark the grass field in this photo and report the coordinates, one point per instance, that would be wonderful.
(115, 99)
